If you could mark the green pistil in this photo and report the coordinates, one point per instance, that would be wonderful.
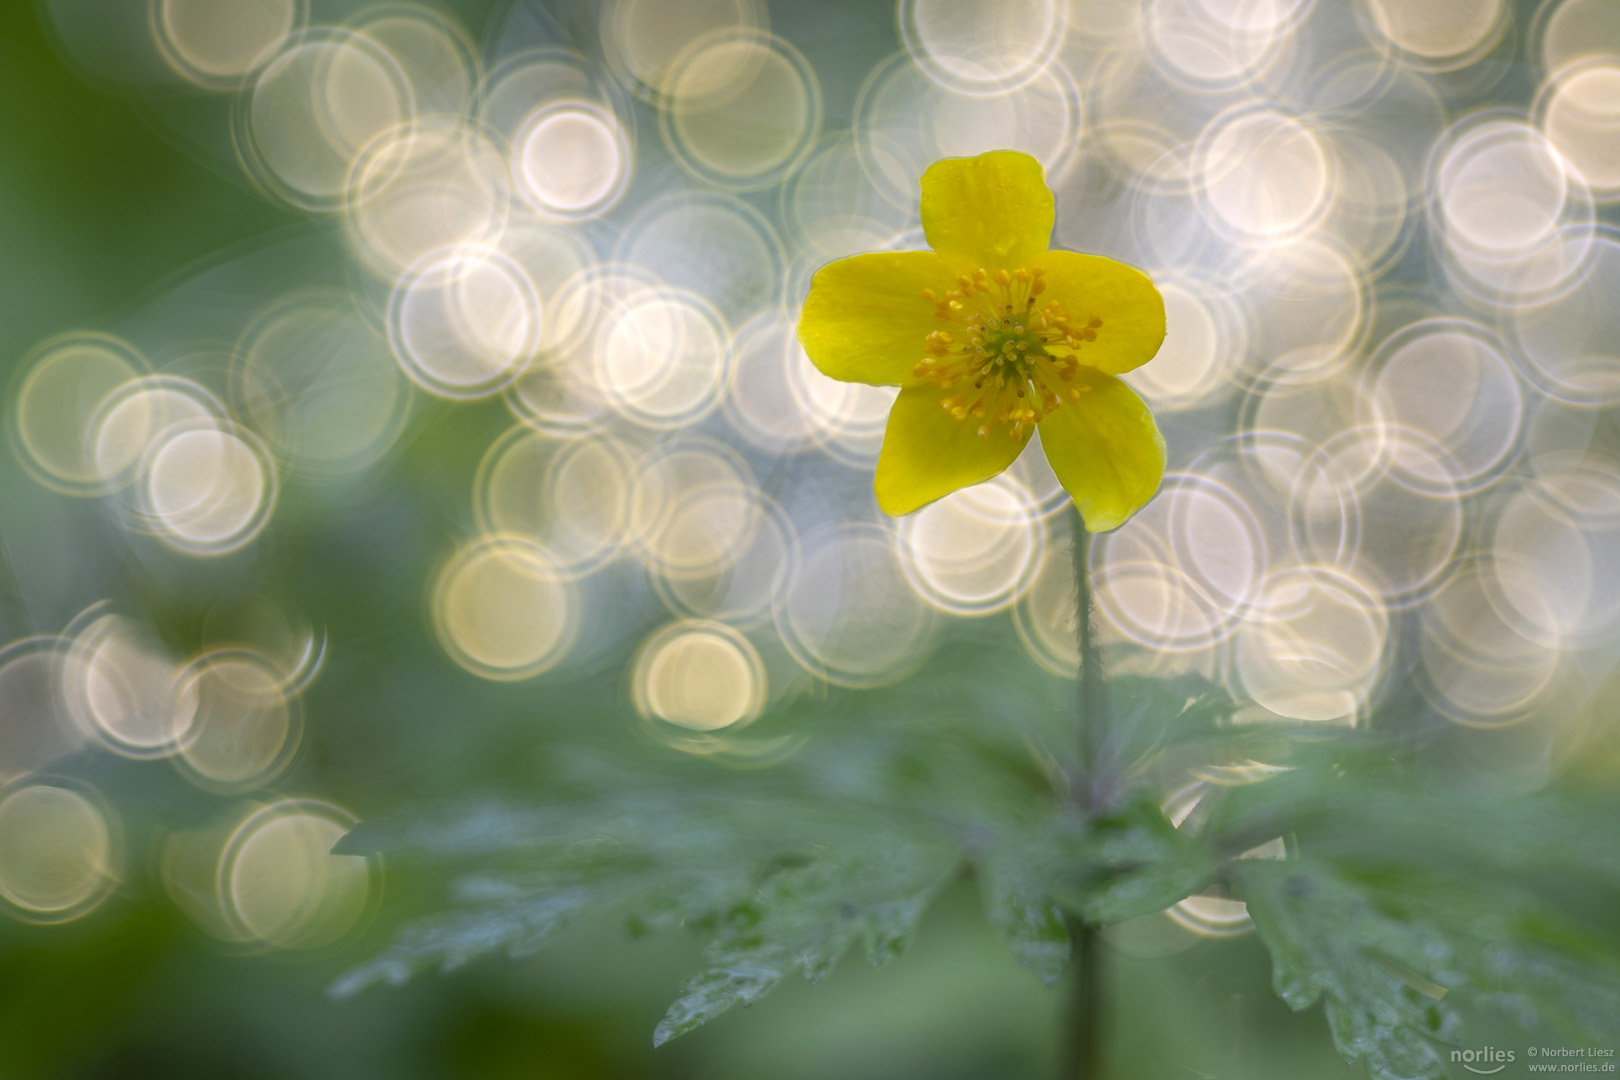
(1009, 347)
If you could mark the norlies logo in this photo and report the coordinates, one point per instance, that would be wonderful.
(1490, 1055)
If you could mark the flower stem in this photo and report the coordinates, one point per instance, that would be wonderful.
(1089, 784)
(1088, 788)
(1083, 1049)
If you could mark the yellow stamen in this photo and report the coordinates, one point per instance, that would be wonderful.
(1011, 360)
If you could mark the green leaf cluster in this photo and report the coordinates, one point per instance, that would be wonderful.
(1396, 900)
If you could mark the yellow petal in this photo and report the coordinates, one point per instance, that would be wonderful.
(865, 319)
(928, 453)
(1130, 307)
(991, 212)
(1105, 449)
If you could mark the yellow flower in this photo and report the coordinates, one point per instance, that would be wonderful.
(991, 336)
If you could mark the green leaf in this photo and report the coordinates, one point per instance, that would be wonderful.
(804, 918)
(1388, 949)
(688, 896)
(1160, 725)
(786, 883)
(1132, 862)
(1412, 898)
(1139, 863)
(1328, 942)
(1351, 800)
(1017, 886)
(508, 916)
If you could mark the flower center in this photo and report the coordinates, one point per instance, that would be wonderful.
(1005, 357)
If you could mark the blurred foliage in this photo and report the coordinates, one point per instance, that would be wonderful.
(1400, 901)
